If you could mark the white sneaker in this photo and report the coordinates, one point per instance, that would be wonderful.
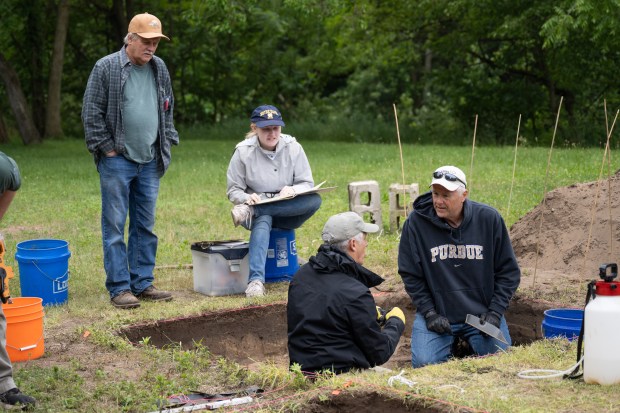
(255, 289)
(242, 213)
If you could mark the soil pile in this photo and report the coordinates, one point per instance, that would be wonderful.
(580, 232)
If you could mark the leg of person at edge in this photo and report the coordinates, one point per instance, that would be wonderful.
(132, 153)
(333, 322)
(10, 396)
(267, 164)
(455, 258)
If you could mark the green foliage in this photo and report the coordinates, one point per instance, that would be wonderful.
(441, 62)
(299, 379)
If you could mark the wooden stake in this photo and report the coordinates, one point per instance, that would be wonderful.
(471, 165)
(514, 167)
(402, 164)
(542, 211)
(611, 226)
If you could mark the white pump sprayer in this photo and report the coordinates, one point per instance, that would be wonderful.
(601, 361)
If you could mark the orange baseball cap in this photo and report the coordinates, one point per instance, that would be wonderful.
(147, 26)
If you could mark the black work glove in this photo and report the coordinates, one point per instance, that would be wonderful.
(491, 317)
(437, 323)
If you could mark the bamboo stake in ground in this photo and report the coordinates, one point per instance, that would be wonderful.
(514, 168)
(608, 151)
(471, 165)
(611, 226)
(402, 164)
(542, 211)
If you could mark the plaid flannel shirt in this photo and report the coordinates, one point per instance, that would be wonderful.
(102, 109)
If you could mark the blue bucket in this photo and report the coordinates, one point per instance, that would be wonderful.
(281, 262)
(44, 269)
(562, 322)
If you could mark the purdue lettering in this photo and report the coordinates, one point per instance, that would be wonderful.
(461, 252)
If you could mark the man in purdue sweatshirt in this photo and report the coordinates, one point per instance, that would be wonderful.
(455, 258)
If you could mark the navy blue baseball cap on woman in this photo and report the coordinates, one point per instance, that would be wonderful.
(267, 115)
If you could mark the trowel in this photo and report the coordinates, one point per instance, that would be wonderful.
(487, 328)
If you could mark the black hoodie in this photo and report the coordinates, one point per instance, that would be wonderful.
(457, 271)
(332, 316)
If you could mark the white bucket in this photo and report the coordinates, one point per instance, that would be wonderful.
(601, 363)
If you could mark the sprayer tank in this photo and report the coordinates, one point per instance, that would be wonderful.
(601, 363)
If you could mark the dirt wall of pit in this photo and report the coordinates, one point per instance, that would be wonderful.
(255, 334)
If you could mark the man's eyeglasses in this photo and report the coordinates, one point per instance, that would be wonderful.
(449, 177)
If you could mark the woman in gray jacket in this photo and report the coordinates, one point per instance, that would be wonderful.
(268, 164)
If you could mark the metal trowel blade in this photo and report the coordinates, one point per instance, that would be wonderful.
(487, 328)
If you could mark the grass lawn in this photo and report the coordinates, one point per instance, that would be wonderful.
(60, 199)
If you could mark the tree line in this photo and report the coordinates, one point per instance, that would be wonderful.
(441, 62)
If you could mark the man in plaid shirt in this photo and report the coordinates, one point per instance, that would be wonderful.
(128, 123)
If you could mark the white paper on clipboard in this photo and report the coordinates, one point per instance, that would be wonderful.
(317, 189)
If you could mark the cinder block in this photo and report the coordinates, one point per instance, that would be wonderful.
(401, 199)
(372, 206)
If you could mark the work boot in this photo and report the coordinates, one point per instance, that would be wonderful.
(153, 294)
(255, 289)
(125, 300)
(242, 213)
(15, 399)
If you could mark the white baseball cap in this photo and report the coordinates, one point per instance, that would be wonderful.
(450, 177)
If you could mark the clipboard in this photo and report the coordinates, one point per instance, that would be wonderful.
(317, 189)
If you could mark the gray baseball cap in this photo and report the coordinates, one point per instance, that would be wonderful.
(344, 226)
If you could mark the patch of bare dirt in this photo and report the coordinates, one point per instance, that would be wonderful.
(370, 402)
(66, 347)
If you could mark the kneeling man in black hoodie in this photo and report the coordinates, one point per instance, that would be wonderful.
(455, 259)
(333, 321)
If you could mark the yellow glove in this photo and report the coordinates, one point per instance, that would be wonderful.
(381, 316)
(396, 312)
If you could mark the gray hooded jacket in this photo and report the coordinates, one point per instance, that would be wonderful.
(252, 171)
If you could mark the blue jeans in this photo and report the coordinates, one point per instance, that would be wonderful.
(290, 214)
(6, 368)
(128, 188)
(428, 347)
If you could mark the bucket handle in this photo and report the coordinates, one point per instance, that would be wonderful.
(47, 276)
(36, 343)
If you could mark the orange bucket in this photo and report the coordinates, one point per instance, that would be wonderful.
(24, 328)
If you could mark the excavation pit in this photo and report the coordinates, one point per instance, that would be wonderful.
(245, 335)
(257, 334)
(371, 402)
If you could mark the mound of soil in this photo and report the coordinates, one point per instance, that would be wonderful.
(574, 231)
